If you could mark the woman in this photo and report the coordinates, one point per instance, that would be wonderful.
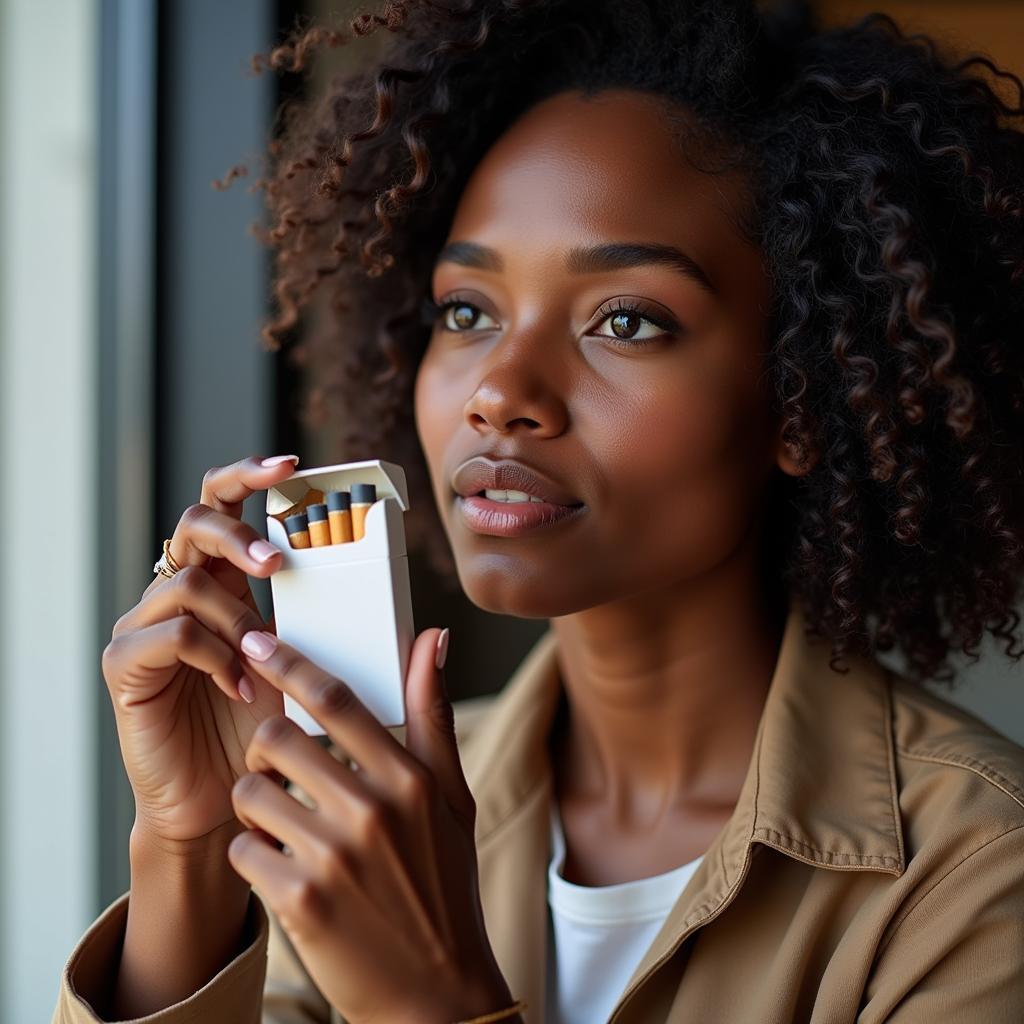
(734, 297)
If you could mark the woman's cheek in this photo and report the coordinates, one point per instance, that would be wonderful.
(682, 457)
(434, 410)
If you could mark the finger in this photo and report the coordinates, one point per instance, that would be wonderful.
(194, 590)
(261, 803)
(225, 489)
(203, 533)
(430, 720)
(266, 868)
(181, 640)
(282, 746)
(346, 720)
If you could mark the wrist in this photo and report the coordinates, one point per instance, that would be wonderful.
(194, 871)
(477, 1000)
(146, 844)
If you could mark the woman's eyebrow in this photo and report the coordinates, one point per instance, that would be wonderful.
(589, 259)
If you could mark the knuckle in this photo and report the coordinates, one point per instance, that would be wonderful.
(185, 632)
(414, 784)
(192, 579)
(243, 534)
(194, 513)
(244, 621)
(211, 474)
(272, 731)
(122, 624)
(334, 860)
(288, 662)
(333, 697)
(443, 716)
(303, 899)
(245, 786)
(109, 659)
(371, 821)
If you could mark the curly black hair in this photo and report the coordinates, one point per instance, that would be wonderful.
(885, 186)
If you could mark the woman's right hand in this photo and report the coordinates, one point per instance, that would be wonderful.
(172, 665)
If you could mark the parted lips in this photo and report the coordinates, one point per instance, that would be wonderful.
(480, 474)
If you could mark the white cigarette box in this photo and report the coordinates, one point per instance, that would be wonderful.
(348, 607)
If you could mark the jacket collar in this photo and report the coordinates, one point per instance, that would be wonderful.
(821, 787)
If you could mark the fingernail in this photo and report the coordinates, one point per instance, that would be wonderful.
(263, 551)
(442, 649)
(246, 690)
(259, 645)
(276, 460)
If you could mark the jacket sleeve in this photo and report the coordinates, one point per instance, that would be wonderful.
(265, 984)
(957, 954)
(233, 995)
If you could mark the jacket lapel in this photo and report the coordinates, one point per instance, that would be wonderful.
(508, 769)
(820, 787)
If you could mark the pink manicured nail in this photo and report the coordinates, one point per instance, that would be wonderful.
(276, 460)
(263, 551)
(246, 690)
(442, 649)
(259, 645)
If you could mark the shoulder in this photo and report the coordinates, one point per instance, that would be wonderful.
(960, 780)
(935, 736)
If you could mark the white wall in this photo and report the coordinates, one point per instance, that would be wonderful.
(48, 672)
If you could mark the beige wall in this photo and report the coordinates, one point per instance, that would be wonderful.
(992, 27)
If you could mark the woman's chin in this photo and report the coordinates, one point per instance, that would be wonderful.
(503, 592)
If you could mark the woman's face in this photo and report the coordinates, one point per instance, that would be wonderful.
(657, 421)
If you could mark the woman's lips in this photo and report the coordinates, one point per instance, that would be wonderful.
(512, 518)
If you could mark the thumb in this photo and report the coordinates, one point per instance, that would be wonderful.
(429, 718)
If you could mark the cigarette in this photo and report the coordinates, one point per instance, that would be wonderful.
(363, 496)
(339, 516)
(319, 530)
(298, 530)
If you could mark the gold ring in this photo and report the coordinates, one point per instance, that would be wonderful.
(165, 565)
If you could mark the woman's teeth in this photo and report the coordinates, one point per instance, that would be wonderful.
(511, 496)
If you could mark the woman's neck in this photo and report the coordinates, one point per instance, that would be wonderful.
(662, 701)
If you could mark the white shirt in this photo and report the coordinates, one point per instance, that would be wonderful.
(598, 934)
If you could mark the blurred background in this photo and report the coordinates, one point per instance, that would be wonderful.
(131, 297)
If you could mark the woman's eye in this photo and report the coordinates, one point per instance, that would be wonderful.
(456, 315)
(626, 322)
(626, 325)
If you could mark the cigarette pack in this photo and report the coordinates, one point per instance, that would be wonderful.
(348, 606)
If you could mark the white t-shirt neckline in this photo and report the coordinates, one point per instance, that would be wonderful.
(625, 903)
(598, 934)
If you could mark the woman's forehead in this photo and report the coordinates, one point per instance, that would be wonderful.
(577, 170)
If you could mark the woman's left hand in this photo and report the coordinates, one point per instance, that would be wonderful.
(379, 892)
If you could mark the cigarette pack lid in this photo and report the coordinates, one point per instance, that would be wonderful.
(388, 478)
(384, 531)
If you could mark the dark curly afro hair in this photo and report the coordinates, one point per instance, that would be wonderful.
(886, 183)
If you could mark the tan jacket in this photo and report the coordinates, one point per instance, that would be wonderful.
(872, 869)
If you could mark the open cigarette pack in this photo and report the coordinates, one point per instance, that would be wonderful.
(343, 600)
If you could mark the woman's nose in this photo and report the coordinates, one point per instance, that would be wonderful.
(521, 386)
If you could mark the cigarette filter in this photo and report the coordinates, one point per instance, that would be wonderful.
(319, 530)
(339, 515)
(298, 530)
(363, 496)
